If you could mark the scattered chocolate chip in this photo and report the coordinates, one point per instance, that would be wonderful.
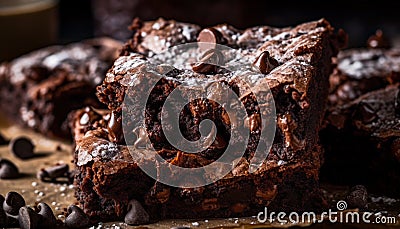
(357, 197)
(265, 63)
(28, 218)
(54, 172)
(22, 147)
(48, 220)
(76, 217)
(210, 62)
(136, 214)
(397, 104)
(13, 202)
(8, 170)
(378, 41)
(59, 148)
(3, 217)
(115, 127)
(365, 113)
(209, 35)
(3, 141)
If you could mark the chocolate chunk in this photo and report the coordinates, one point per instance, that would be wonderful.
(378, 41)
(76, 218)
(13, 202)
(365, 113)
(3, 141)
(136, 214)
(37, 72)
(8, 170)
(28, 218)
(209, 62)
(265, 63)
(397, 104)
(52, 173)
(47, 219)
(3, 218)
(22, 147)
(209, 35)
(357, 197)
(114, 127)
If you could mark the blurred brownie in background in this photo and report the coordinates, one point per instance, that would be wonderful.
(39, 89)
(362, 125)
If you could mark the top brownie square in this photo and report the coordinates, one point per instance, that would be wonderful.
(289, 71)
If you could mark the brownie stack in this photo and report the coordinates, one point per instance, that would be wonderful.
(39, 89)
(361, 133)
(295, 63)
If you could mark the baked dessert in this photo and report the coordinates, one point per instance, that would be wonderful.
(39, 89)
(294, 63)
(362, 70)
(360, 136)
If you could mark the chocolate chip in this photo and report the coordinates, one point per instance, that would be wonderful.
(47, 220)
(136, 214)
(295, 96)
(378, 41)
(397, 104)
(22, 147)
(114, 127)
(3, 218)
(54, 172)
(28, 218)
(76, 218)
(210, 62)
(3, 141)
(265, 63)
(357, 197)
(365, 113)
(209, 35)
(180, 227)
(13, 202)
(37, 72)
(59, 148)
(8, 170)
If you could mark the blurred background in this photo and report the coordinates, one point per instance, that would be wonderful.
(65, 21)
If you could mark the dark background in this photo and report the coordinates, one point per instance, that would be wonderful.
(79, 19)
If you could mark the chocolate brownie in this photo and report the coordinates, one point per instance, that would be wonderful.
(363, 70)
(294, 63)
(39, 89)
(361, 124)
